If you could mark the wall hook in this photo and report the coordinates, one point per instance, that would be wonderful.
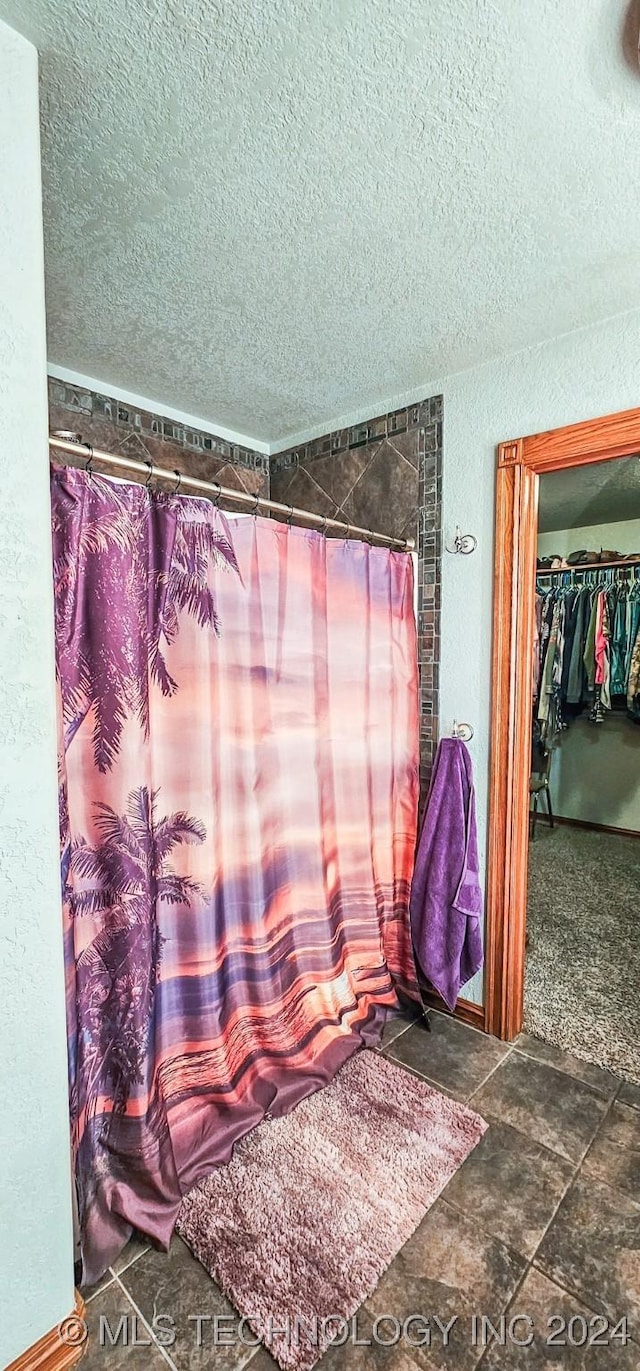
(462, 731)
(463, 542)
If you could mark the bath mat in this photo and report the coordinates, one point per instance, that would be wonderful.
(300, 1225)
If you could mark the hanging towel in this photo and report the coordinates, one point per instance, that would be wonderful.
(446, 898)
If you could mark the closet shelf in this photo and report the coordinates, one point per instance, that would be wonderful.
(589, 566)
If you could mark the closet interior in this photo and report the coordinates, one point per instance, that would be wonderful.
(582, 962)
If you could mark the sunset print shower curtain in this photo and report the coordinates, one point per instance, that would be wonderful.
(238, 794)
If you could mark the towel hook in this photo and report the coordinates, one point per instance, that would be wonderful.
(462, 731)
(463, 542)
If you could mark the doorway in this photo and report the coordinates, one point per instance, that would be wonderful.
(516, 865)
(582, 962)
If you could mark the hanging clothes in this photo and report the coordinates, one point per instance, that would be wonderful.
(589, 655)
(633, 685)
(575, 682)
(584, 650)
(619, 646)
(238, 809)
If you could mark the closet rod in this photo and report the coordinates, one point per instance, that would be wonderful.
(588, 566)
(253, 502)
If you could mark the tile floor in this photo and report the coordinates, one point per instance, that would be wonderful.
(542, 1222)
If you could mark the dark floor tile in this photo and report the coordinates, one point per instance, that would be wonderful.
(397, 1022)
(614, 1155)
(89, 1292)
(604, 1082)
(544, 1305)
(134, 1349)
(449, 1269)
(593, 1249)
(452, 1054)
(630, 1094)
(177, 1286)
(512, 1186)
(362, 1349)
(262, 1360)
(379, 1345)
(135, 1248)
(545, 1104)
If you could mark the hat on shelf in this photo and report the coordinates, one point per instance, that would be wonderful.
(579, 558)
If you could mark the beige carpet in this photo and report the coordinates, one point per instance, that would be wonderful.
(299, 1227)
(582, 975)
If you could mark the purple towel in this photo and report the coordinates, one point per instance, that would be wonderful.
(446, 898)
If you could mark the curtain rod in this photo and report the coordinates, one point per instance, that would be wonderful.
(74, 447)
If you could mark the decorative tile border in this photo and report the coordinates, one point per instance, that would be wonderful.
(91, 405)
(429, 583)
(343, 439)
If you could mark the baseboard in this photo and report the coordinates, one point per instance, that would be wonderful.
(586, 823)
(52, 1352)
(465, 1010)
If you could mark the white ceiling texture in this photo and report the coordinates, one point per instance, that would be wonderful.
(274, 213)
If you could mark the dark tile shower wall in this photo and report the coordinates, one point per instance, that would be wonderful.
(117, 427)
(385, 474)
(367, 475)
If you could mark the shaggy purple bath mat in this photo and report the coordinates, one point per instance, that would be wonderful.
(312, 1208)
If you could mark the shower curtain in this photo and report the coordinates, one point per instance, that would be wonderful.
(238, 795)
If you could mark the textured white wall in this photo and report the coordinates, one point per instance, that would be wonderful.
(623, 537)
(36, 1273)
(595, 774)
(575, 377)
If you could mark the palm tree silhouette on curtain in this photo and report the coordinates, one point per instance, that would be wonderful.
(129, 876)
(128, 564)
(142, 560)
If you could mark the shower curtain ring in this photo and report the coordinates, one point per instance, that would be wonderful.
(88, 466)
(217, 499)
(176, 488)
(290, 515)
(150, 476)
(323, 530)
(256, 502)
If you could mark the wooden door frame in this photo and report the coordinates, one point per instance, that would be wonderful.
(520, 464)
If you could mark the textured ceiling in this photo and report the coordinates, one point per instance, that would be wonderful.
(601, 493)
(272, 213)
